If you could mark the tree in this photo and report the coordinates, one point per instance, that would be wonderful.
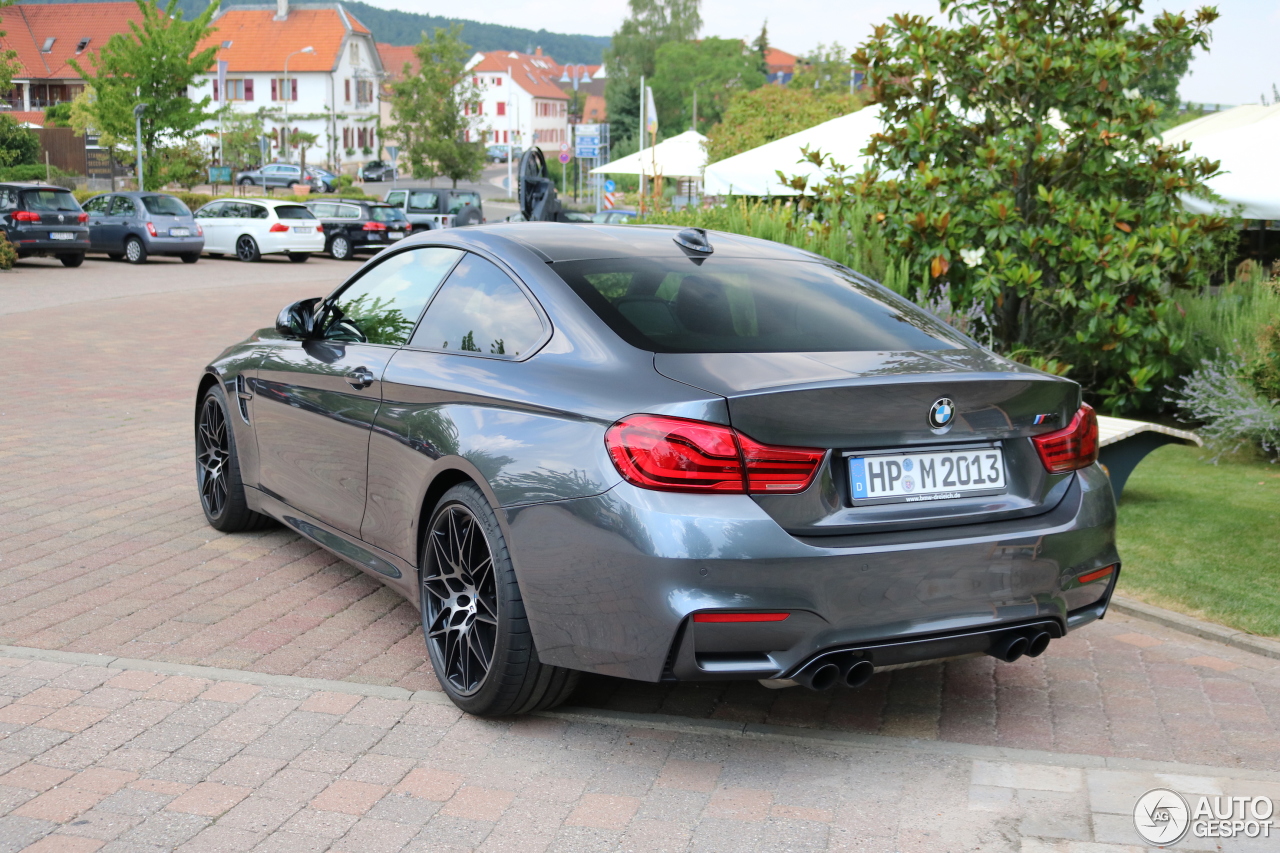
(427, 116)
(772, 112)
(633, 53)
(1160, 82)
(18, 145)
(155, 63)
(185, 165)
(827, 70)
(241, 138)
(714, 68)
(58, 115)
(761, 47)
(302, 140)
(1019, 168)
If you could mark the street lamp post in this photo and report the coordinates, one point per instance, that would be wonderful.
(137, 120)
(286, 95)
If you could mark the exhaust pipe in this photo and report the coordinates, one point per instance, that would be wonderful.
(1009, 647)
(856, 672)
(819, 675)
(1037, 643)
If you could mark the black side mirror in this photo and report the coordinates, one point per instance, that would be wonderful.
(297, 321)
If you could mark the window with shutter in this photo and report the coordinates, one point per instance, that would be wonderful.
(502, 108)
(293, 91)
(248, 89)
(347, 89)
(275, 89)
(215, 90)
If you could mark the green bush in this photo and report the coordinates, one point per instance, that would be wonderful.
(18, 145)
(84, 195)
(343, 182)
(8, 254)
(1264, 372)
(32, 172)
(194, 201)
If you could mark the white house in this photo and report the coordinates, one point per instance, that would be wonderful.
(522, 100)
(331, 88)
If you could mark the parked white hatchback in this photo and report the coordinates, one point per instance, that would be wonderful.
(251, 228)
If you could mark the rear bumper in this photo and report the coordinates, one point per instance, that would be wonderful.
(32, 242)
(175, 245)
(290, 242)
(610, 582)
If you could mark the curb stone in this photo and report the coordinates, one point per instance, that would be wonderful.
(1197, 627)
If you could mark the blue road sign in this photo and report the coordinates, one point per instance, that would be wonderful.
(587, 140)
(586, 151)
(610, 186)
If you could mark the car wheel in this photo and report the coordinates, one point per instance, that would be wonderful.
(246, 182)
(291, 185)
(299, 257)
(247, 249)
(473, 618)
(72, 260)
(218, 469)
(340, 249)
(190, 257)
(134, 251)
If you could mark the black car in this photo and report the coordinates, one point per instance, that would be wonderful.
(42, 220)
(376, 170)
(351, 227)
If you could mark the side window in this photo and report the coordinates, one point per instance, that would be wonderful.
(122, 206)
(396, 198)
(481, 310)
(348, 211)
(209, 211)
(97, 204)
(233, 210)
(270, 170)
(383, 305)
(8, 199)
(254, 211)
(423, 202)
(322, 210)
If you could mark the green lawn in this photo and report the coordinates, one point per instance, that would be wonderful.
(1204, 539)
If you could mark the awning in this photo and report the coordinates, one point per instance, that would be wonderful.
(1244, 139)
(682, 156)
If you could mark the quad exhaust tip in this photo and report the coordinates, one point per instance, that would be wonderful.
(825, 673)
(1013, 645)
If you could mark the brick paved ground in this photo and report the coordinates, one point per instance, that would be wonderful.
(103, 549)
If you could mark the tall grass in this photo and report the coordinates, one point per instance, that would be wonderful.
(1227, 322)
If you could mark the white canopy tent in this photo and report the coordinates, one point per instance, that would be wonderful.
(1244, 139)
(682, 156)
(754, 172)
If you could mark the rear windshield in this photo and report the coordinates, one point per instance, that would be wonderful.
(164, 205)
(457, 201)
(293, 211)
(55, 200)
(386, 214)
(735, 305)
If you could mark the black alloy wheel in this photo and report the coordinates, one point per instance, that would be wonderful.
(222, 495)
(134, 251)
(247, 249)
(340, 248)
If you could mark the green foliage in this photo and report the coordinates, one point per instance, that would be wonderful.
(827, 70)
(241, 135)
(193, 201)
(1227, 320)
(155, 64)
(185, 165)
(18, 145)
(714, 68)
(8, 254)
(344, 182)
(633, 54)
(772, 112)
(378, 321)
(1019, 168)
(33, 172)
(8, 63)
(426, 111)
(761, 48)
(1264, 372)
(58, 115)
(1160, 82)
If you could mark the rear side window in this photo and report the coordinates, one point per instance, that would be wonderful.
(323, 210)
(293, 211)
(164, 205)
(123, 206)
(460, 200)
(480, 310)
(57, 201)
(98, 204)
(348, 211)
(385, 214)
(382, 306)
(735, 305)
(424, 202)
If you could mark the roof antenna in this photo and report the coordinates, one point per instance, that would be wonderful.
(694, 239)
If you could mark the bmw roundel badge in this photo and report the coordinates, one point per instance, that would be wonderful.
(942, 413)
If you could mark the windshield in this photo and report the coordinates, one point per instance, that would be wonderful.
(164, 205)
(58, 201)
(460, 200)
(735, 305)
(293, 211)
(384, 213)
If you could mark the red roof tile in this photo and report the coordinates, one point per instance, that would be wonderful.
(27, 28)
(536, 74)
(773, 56)
(23, 117)
(260, 43)
(395, 56)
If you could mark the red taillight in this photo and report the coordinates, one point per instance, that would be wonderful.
(319, 229)
(278, 228)
(1097, 575)
(199, 230)
(151, 229)
(26, 216)
(374, 226)
(1071, 448)
(679, 455)
(739, 617)
(83, 218)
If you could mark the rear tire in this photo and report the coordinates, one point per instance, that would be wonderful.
(72, 260)
(473, 617)
(218, 468)
(134, 251)
(246, 182)
(247, 249)
(190, 257)
(340, 248)
(299, 257)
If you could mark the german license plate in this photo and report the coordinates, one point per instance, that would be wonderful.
(395, 235)
(62, 235)
(303, 229)
(916, 477)
(179, 232)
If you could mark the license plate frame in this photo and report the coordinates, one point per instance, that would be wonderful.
(62, 235)
(866, 483)
(179, 232)
(395, 235)
(304, 229)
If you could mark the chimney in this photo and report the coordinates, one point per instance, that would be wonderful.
(282, 10)
(537, 52)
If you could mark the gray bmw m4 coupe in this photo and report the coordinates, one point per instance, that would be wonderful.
(661, 454)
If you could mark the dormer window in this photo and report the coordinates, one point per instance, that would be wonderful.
(355, 53)
(48, 44)
(82, 44)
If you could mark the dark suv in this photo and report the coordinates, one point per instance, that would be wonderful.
(358, 226)
(42, 220)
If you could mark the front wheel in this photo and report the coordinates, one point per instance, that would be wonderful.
(72, 260)
(218, 468)
(246, 182)
(247, 249)
(340, 248)
(134, 251)
(473, 617)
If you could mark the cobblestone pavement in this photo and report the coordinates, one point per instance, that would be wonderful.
(103, 550)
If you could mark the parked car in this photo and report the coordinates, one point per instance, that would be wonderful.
(498, 153)
(272, 175)
(376, 170)
(251, 228)
(681, 456)
(432, 208)
(321, 180)
(355, 227)
(44, 221)
(614, 217)
(134, 226)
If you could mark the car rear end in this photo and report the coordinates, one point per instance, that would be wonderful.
(170, 227)
(382, 226)
(291, 229)
(47, 221)
(876, 491)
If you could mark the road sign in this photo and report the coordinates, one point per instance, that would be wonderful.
(610, 186)
(588, 151)
(565, 157)
(583, 139)
(219, 174)
(393, 151)
(589, 129)
(564, 146)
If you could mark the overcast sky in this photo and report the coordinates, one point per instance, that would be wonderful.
(1243, 63)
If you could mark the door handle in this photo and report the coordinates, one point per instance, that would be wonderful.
(360, 378)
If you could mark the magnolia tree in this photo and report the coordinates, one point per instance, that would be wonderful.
(1020, 169)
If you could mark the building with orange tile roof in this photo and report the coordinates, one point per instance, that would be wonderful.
(45, 37)
(331, 88)
(781, 66)
(523, 102)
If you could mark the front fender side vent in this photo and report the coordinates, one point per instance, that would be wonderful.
(243, 396)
